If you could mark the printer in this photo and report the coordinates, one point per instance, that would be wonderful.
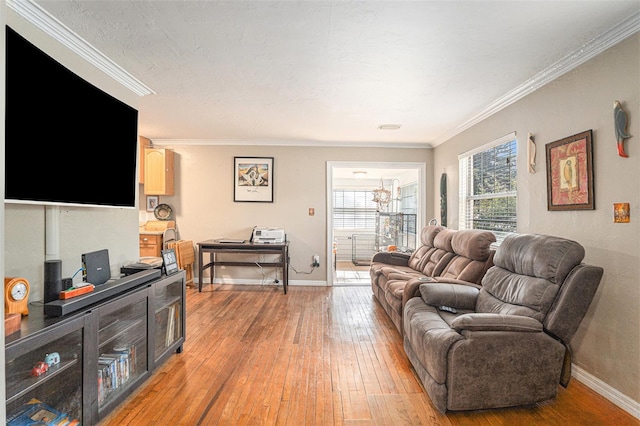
(268, 235)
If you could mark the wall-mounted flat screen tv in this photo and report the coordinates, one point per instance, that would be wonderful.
(67, 142)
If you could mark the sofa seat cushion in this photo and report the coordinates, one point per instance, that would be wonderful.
(430, 335)
(389, 271)
(393, 295)
(395, 288)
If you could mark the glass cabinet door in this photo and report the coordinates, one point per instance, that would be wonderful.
(168, 302)
(44, 375)
(122, 348)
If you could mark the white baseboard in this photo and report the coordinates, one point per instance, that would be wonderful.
(244, 281)
(308, 283)
(627, 404)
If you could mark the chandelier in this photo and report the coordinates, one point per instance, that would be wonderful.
(381, 196)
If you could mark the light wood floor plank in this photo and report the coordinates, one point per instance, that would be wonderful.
(316, 356)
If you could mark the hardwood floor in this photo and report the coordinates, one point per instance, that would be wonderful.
(316, 356)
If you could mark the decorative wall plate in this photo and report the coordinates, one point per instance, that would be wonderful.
(163, 212)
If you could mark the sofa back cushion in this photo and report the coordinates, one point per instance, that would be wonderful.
(473, 255)
(427, 236)
(433, 264)
(528, 272)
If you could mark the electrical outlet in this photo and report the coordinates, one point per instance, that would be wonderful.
(316, 260)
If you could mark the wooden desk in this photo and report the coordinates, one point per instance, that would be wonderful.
(213, 247)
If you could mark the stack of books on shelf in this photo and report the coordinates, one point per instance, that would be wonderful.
(171, 325)
(36, 412)
(115, 369)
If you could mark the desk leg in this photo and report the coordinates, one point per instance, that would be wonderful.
(285, 269)
(212, 269)
(200, 269)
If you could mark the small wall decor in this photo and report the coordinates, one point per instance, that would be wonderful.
(531, 153)
(570, 173)
(152, 202)
(253, 179)
(443, 199)
(621, 213)
(620, 123)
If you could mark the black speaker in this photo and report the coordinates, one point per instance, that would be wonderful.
(52, 280)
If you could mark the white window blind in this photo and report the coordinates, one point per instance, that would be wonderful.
(354, 210)
(488, 193)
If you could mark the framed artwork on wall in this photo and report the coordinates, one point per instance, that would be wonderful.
(570, 173)
(152, 202)
(253, 179)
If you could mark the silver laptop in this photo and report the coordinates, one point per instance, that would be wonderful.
(96, 268)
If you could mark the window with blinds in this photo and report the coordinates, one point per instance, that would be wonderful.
(488, 193)
(354, 209)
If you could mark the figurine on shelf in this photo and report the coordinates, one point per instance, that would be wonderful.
(52, 359)
(39, 369)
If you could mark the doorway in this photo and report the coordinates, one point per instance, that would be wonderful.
(355, 221)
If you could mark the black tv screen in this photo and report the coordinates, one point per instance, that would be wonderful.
(67, 142)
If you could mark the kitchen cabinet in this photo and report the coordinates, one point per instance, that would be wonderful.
(143, 144)
(158, 171)
(150, 245)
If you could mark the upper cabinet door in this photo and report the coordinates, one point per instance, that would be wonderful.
(158, 171)
(143, 144)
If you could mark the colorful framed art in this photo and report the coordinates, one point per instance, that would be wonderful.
(570, 173)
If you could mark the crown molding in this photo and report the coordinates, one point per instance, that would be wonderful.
(629, 26)
(288, 142)
(46, 22)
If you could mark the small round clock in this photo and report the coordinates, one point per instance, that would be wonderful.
(16, 296)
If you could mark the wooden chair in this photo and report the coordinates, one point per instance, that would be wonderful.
(185, 253)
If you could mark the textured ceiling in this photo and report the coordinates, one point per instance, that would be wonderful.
(330, 71)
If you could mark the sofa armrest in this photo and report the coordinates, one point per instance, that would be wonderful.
(446, 280)
(496, 322)
(458, 296)
(411, 290)
(391, 258)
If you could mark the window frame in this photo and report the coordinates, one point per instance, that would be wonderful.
(467, 198)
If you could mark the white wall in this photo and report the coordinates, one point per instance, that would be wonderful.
(607, 345)
(205, 209)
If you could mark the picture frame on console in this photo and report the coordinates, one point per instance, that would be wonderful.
(570, 173)
(170, 261)
(253, 179)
